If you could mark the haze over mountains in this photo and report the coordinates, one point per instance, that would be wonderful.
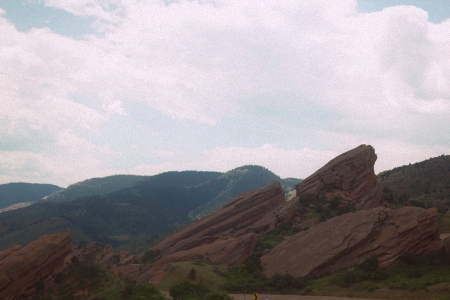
(124, 209)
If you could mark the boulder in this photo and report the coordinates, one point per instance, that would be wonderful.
(22, 267)
(350, 176)
(349, 239)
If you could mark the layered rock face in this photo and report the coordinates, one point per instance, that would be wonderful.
(226, 235)
(349, 175)
(349, 239)
(21, 268)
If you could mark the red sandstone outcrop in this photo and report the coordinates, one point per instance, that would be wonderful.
(349, 175)
(226, 235)
(349, 239)
(21, 268)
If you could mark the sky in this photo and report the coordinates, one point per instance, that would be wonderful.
(91, 88)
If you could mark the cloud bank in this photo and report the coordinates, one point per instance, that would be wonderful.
(212, 85)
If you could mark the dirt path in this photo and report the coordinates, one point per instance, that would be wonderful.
(290, 297)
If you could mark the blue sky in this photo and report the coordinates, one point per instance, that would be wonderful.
(99, 87)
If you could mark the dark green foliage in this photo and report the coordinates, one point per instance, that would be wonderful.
(150, 256)
(273, 238)
(253, 264)
(95, 187)
(370, 264)
(409, 258)
(367, 270)
(88, 277)
(249, 277)
(412, 273)
(12, 193)
(188, 290)
(421, 184)
(192, 274)
(319, 209)
(217, 296)
(240, 280)
(335, 202)
(282, 282)
(141, 291)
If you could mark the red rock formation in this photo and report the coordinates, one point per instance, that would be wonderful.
(349, 239)
(21, 268)
(225, 235)
(349, 175)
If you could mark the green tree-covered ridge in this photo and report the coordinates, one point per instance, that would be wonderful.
(18, 192)
(134, 215)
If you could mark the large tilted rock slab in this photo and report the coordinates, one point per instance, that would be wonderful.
(225, 235)
(21, 268)
(349, 239)
(349, 175)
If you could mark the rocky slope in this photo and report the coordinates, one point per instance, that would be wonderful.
(225, 235)
(22, 268)
(349, 239)
(349, 176)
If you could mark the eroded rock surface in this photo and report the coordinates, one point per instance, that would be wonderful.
(349, 239)
(349, 175)
(22, 267)
(226, 235)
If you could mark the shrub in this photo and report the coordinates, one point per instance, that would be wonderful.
(370, 264)
(409, 258)
(192, 274)
(151, 256)
(335, 202)
(217, 296)
(189, 290)
(319, 209)
(138, 291)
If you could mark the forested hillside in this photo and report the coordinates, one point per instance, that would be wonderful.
(425, 183)
(95, 187)
(150, 207)
(12, 193)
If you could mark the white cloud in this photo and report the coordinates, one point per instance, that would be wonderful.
(385, 76)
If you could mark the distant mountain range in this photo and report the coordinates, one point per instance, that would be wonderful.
(121, 210)
(13, 193)
(94, 186)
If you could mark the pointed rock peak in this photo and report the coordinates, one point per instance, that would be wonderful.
(349, 176)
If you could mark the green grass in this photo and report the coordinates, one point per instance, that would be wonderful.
(111, 292)
(421, 278)
(207, 273)
(444, 222)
